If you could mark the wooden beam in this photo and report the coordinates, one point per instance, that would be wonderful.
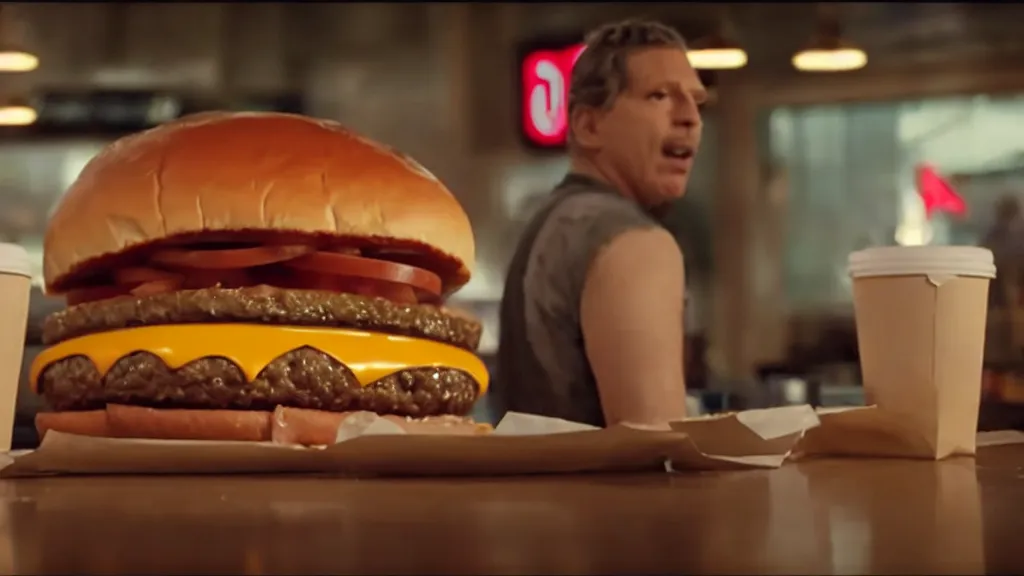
(888, 85)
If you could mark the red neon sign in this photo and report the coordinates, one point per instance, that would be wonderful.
(937, 194)
(545, 97)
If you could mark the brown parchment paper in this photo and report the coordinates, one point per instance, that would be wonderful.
(869, 431)
(764, 438)
(520, 444)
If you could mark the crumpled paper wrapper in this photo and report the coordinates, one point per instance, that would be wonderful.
(871, 432)
(520, 444)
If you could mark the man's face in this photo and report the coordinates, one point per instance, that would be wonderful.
(647, 140)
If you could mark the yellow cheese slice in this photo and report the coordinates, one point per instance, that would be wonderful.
(369, 355)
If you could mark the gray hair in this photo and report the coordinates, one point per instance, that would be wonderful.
(599, 75)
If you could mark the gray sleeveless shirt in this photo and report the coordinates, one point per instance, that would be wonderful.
(542, 364)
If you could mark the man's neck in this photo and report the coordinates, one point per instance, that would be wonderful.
(585, 167)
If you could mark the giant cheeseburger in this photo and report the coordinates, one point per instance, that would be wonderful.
(256, 276)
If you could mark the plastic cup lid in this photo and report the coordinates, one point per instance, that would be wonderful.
(923, 260)
(14, 260)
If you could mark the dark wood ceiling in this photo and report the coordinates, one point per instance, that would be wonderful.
(895, 35)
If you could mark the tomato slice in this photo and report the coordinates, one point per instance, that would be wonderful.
(144, 288)
(132, 276)
(346, 250)
(224, 278)
(397, 293)
(408, 257)
(305, 280)
(93, 293)
(229, 259)
(369, 268)
(157, 287)
(299, 267)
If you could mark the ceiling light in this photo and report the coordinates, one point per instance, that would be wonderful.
(830, 59)
(716, 52)
(13, 59)
(14, 55)
(828, 52)
(17, 112)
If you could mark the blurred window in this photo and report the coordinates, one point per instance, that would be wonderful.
(852, 176)
(33, 177)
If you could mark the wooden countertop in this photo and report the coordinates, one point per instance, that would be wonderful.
(851, 516)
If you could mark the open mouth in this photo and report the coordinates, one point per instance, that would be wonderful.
(677, 151)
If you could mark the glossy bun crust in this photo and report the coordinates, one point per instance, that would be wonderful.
(252, 172)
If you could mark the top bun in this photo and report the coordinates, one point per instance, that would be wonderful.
(252, 171)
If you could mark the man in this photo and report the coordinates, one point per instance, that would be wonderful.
(592, 314)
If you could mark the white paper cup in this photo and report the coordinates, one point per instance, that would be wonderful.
(921, 315)
(15, 285)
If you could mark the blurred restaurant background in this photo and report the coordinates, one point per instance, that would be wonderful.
(901, 128)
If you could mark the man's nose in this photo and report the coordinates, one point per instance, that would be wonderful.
(685, 113)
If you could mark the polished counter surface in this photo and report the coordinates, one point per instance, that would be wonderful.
(830, 516)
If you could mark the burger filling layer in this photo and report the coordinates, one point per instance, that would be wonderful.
(259, 367)
(303, 378)
(265, 305)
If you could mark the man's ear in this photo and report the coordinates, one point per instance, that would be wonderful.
(585, 124)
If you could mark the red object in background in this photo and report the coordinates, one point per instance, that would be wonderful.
(937, 194)
(545, 97)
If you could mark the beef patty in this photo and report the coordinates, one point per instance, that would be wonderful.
(264, 305)
(302, 378)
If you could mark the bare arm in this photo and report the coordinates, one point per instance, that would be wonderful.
(632, 318)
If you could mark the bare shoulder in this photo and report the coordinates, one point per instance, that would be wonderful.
(637, 279)
(649, 253)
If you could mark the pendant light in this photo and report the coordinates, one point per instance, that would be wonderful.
(14, 59)
(17, 112)
(14, 55)
(718, 50)
(828, 51)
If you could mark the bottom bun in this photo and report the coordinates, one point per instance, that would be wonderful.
(283, 425)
